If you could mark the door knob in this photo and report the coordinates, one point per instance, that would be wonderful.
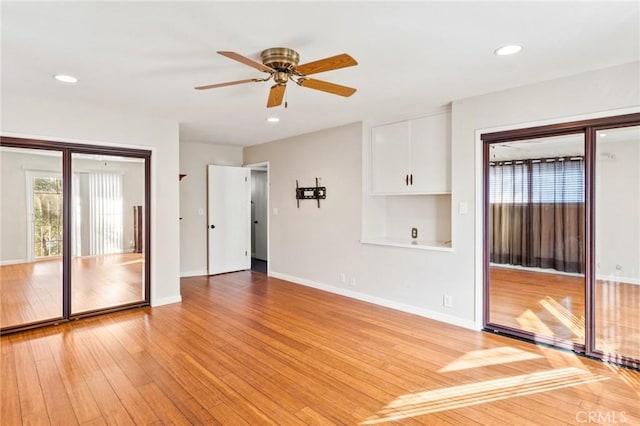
(212, 226)
(255, 221)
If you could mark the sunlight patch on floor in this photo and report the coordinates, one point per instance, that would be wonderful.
(529, 321)
(630, 377)
(485, 357)
(432, 401)
(562, 314)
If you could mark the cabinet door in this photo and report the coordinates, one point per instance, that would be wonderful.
(430, 154)
(390, 158)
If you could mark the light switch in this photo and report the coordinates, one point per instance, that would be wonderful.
(275, 211)
(463, 208)
(200, 211)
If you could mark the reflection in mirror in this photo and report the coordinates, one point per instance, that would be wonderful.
(617, 242)
(31, 229)
(107, 231)
(536, 237)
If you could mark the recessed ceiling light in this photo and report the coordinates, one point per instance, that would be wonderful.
(273, 119)
(509, 49)
(65, 78)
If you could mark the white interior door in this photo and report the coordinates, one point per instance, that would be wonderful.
(229, 219)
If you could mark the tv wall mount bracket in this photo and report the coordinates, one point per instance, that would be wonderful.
(310, 193)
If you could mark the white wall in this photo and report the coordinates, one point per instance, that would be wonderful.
(90, 123)
(314, 246)
(194, 158)
(618, 209)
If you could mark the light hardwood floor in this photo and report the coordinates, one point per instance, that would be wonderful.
(553, 305)
(246, 349)
(32, 291)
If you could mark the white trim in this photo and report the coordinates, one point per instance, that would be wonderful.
(437, 316)
(618, 279)
(479, 201)
(534, 269)
(13, 262)
(199, 273)
(166, 300)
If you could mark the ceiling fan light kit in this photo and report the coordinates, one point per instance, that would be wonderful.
(281, 63)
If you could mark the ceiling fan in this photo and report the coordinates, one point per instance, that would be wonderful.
(281, 63)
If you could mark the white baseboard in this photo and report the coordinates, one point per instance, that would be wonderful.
(166, 300)
(617, 279)
(12, 261)
(187, 274)
(438, 316)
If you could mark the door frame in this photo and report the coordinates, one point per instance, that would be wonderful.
(588, 127)
(262, 166)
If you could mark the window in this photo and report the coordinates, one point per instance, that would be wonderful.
(559, 180)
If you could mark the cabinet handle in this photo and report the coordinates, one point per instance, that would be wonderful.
(411, 179)
(406, 180)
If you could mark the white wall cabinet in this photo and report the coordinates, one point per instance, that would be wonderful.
(407, 183)
(412, 157)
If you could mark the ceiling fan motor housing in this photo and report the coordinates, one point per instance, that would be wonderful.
(280, 59)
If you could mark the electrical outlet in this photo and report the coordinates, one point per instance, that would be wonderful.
(353, 281)
(343, 278)
(447, 301)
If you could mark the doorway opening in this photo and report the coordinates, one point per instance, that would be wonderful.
(259, 217)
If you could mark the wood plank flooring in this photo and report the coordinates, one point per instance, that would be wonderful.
(31, 292)
(553, 305)
(243, 348)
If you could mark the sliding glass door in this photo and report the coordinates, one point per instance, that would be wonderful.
(562, 236)
(74, 227)
(617, 243)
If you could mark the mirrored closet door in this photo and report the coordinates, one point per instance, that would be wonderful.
(74, 231)
(107, 232)
(562, 236)
(31, 226)
(617, 242)
(536, 237)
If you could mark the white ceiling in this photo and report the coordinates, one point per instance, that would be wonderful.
(146, 57)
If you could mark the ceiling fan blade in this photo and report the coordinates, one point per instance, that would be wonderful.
(327, 64)
(244, 60)
(325, 86)
(276, 95)
(228, 83)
